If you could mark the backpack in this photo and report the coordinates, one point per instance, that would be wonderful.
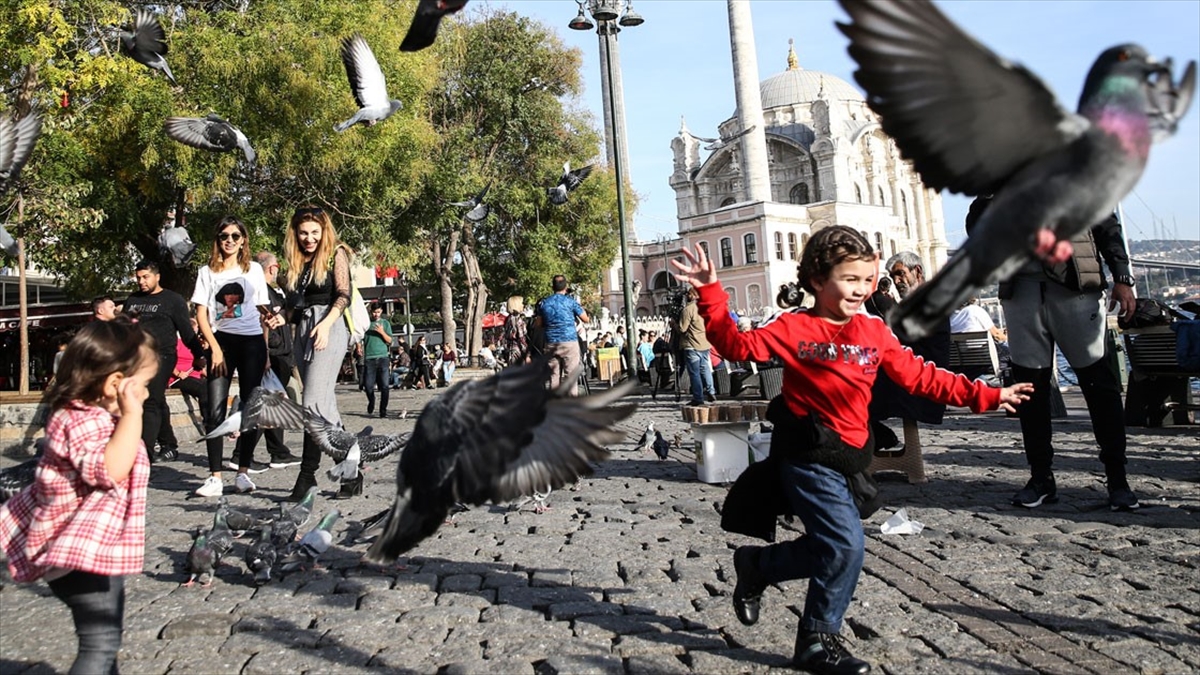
(357, 316)
(1149, 312)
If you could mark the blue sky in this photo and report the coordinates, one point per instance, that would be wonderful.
(678, 63)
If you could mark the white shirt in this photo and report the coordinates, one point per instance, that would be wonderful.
(969, 319)
(487, 356)
(236, 312)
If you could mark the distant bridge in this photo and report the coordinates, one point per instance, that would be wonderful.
(1164, 264)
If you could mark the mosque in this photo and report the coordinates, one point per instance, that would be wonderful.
(812, 154)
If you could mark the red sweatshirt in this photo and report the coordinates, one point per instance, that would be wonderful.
(829, 369)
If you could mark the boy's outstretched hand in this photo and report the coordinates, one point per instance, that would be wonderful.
(1013, 396)
(698, 271)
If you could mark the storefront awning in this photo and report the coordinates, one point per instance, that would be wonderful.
(46, 316)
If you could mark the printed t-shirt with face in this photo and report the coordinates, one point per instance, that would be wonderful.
(232, 297)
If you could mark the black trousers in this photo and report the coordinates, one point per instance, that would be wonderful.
(156, 416)
(245, 355)
(97, 605)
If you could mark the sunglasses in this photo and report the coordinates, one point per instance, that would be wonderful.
(308, 212)
(226, 236)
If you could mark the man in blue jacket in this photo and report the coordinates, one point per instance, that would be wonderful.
(557, 313)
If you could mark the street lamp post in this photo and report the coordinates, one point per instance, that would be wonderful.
(607, 25)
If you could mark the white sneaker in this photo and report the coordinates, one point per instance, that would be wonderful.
(213, 487)
(244, 484)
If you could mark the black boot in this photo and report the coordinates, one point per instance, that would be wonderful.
(304, 481)
(747, 594)
(350, 488)
(825, 654)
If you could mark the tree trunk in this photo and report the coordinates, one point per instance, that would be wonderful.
(443, 266)
(22, 292)
(477, 295)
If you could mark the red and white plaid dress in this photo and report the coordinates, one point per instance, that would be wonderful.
(73, 516)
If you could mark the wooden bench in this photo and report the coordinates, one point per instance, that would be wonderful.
(1156, 370)
(973, 354)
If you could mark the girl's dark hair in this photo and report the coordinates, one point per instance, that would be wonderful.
(100, 349)
(829, 247)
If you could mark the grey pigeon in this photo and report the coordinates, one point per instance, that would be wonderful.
(367, 83)
(974, 123)
(265, 409)
(312, 545)
(146, 42)
(300, 512)
(647, 442)
(423, 30)
(239, 523)
(201, 560)
(662, 448)
(284, 529)
(16, 478)
(176, 244)
(347, 449)
(478, 209)
(16, 144)
(715, 144)
(261, 556)
(495, 439)
(209, 133)
(568, 182)
(220, 537)
(363, 531)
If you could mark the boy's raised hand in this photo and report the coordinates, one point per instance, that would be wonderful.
(1010, 397)
(698, 271)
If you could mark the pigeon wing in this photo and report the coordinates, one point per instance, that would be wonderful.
(375, 448)
(267, 409)
(575, 178)
(966, 118)
(364, 73)
(1169, 102)
(192, 131)
(16, 144)
(148, 34)
(244, 144)
(423, 30)
(325, 434)
(17, 478)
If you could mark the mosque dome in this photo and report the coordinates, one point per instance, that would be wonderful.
(796, 85)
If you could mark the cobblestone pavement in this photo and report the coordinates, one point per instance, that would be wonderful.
(630, 573)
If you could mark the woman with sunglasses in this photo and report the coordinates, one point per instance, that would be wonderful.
(319, 291)
(231, 300)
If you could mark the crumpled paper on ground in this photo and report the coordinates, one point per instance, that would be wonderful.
(900, 524)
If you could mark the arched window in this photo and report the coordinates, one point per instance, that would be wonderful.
(750, 248)
(799, 194)
(892, 252)
(754, 297)
(704, 247)
(879, 243)
(882, 201)
(732, 298)
(727, 201)
(726, 252)
(792, 251)
(907, 222)
(857, 194)
(779, 245)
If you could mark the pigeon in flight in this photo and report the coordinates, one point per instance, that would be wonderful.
(16, 478)
(977, 124)
(478, 209)
(568, 182)
(347, 449)
(261, 556)
(312, 545)
(176, 244)
(495, 439)
(210, 133)
(367, 83)
(423, 30)
(201, 560)
(7, 243)
(16, 143)
(662, 447)
(146, 43)
(718, 143)
(265, 409)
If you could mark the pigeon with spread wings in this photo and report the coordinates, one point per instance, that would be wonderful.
(347, 449)
(974, 123)
(367, 83)
(424, 27)
(146, 43)
(495, 439)
(17, 139)
(211, 133)
(568, 182)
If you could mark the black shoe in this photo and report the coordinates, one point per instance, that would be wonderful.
(825, 654)
(382, 414)
(1036, 492)
(284, 460)
(303, 482)
(350, 488)
(167, 455)
(370, 410)
(747, 594)
(710, 398)
(1120, 497)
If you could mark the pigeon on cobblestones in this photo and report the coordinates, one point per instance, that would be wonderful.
(220, 537)
(300, 512)
(239, 523)
(201, 560)
(283, 532)
(312, 545)
(347, 449)
(261, 556)
(647, 442)
(211, 133)
(423, 30)
(146, 43)
(662, 448)
(16, 143)
(974, 123)
(495, 439)
(367, 83)
(568, 182)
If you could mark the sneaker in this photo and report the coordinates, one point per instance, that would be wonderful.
(168, 455)
(1121, 498)
(244, 484)
(825, 653)
(213, 487)
(283, 461)
(256, 467)
(1036, 492)
(748, 592)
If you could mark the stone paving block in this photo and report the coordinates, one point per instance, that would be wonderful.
(439, 616)
(551, 577)
(214, 663)
(362, 585)
(254, 642)
(581, 664)
(516, 666)
(656, 663)
(478, 600)
(457, 583)
(511, 614)
(572, 610)
(199, 624)
(732, 661)
(256, 622)
(427, 580)
(544, 596)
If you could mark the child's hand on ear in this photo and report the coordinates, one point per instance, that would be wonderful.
(699, 270)
(131, 394)
(1010, 397)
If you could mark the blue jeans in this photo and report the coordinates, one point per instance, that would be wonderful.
(829, 554)
(377, 375)
(447, 370)
(398, 374)
(699, 369)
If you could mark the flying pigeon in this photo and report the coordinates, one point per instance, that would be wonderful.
(647, 442)
(210, 133)
(367, 83)
(176, 244)
(16, 143)
(312, 545)
(423, 30)
(201, 560)
(478, 209)
(265, 409)
(718, 143)
(662, 448)
(261, 556)
(146, 43)
(568, 182)
(239, 523)
(495, 439)
(7, 243)
(977, 124)
(347, 449)
(16, 478)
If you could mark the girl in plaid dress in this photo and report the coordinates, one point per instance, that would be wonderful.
(82, 524)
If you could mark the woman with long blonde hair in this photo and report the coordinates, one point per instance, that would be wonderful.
(319, 292)
(231, 301)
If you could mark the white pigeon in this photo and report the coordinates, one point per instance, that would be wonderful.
(347, 449)
(647, 442)
(367, 83)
